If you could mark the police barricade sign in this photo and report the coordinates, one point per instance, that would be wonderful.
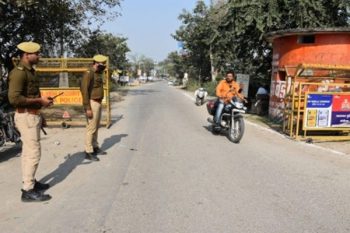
(69, 96)
(69, 105)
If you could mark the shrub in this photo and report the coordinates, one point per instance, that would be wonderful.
(210, 87)
(193, 85)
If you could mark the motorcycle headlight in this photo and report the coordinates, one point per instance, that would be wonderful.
(238, 104)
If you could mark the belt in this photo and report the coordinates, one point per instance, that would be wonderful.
(97, 100)
(28, 110)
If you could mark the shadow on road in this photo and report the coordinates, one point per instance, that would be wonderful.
(65, 168)
(72, 161)
(209, 128)
(10, 152)
(111, 141)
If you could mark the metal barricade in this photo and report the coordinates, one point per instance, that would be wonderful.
(68, 109)
(316, 106)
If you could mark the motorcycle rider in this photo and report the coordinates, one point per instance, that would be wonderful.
(225, 91)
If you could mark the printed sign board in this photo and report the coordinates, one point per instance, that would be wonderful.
(69, 96)
(327, 111)
(243, 81)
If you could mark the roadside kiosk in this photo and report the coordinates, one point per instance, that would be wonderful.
(310, 83)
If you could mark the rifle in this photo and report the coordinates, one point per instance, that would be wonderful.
(54, 97)
(43, 124)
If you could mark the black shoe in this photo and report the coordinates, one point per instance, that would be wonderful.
(216, 129)
(91, 156)
(40, 186)
(34, 196)
(98, 151)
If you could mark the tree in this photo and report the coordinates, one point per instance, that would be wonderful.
(195, 34)
(147, 65)
(239, 36)
(107, 44)
(174, 65)
(142, 63)
(58, 25)
(232, 35)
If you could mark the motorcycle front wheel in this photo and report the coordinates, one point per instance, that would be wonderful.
(236, 130)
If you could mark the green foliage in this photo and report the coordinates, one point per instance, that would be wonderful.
(143, 63)
(219, 77)
(173, 65)
(58, 26)
(192, 85)
(107, 44)
(210, 87)
(194, 33)
(231, 36)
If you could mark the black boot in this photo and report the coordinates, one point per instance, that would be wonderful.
(216, 128)
(98, 151)
(40, 186)
(91, 156)
(34, 196)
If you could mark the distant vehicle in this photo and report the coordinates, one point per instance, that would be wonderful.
(170, 83)
(143, 79)
(200, 95)
(123, 80)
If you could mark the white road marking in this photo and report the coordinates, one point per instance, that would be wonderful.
(189, 96)
(305, 144)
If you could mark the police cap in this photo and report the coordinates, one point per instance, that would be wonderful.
(99, 58)
(29, 47)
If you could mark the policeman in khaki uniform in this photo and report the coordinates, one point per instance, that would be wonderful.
(24, 94)
(92, 94)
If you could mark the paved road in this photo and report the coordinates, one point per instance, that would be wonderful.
(166, 173)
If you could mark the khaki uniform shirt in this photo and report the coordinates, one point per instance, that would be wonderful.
(23, 83)
(91, 87)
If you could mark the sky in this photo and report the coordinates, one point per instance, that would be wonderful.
(148, 25)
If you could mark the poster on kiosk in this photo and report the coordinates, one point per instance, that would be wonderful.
(327, 111)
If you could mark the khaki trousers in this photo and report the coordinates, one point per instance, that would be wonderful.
(29, 127)
(92, 127)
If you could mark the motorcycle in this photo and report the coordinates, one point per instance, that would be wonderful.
(200, 94)
(231, 119)
(8, 131)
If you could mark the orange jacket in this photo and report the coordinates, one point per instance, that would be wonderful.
(226, 91)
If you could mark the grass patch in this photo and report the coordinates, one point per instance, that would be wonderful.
(193, 85)
(264, 121)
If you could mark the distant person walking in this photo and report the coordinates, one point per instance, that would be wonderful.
(24, 95)
(92, 94)
(262, 100)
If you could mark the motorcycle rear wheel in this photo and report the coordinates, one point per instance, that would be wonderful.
(236, 130)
